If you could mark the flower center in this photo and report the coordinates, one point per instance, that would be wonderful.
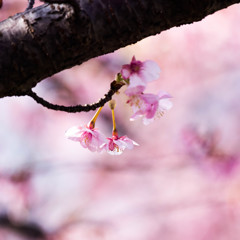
(116, 148)
(86, 138)
(135, 67)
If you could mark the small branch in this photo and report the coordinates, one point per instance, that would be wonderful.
(30, 4)
(114, 87)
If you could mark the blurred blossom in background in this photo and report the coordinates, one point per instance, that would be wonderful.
(181, 183)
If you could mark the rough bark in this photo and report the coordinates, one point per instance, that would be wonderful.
(38, 43)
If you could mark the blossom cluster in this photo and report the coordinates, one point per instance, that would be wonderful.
(135, 76)
(91, 138)
(146, 105)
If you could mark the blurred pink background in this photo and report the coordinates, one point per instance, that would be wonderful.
(181, 183)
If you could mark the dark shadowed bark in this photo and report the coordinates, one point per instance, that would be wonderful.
(40, 42)
(28, 229)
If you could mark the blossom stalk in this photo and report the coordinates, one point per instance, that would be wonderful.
(91, 124)
(116, 145)
(112, 105)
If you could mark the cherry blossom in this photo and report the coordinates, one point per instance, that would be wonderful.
(116, 145)
(147, 105)
(139, 73)
(135, 75)
(88, 137)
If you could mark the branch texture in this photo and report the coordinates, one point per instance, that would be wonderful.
(45, 40)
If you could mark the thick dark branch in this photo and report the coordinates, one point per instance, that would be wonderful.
(45, 40)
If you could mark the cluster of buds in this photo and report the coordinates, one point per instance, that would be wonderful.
(136, 76)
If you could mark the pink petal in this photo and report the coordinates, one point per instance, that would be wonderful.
(151, 102)
(163, 94)
(147, 121)
(130, 91)
(133, 59)
(129, 142)
(150, 71)
(111, 145)
(165, 104)
(136, 80)
(150, 98)
(74, 133)
(125, 72)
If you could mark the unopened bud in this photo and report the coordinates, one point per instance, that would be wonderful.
(112, 104)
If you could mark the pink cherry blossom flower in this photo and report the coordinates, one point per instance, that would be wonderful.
(140, 73)
(88, 137)
(116, 145)
(148, 106)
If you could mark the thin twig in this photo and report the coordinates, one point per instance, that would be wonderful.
(78, 108)
(30, 4)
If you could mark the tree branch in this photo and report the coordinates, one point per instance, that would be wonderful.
(78, 108)
(40, 42)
